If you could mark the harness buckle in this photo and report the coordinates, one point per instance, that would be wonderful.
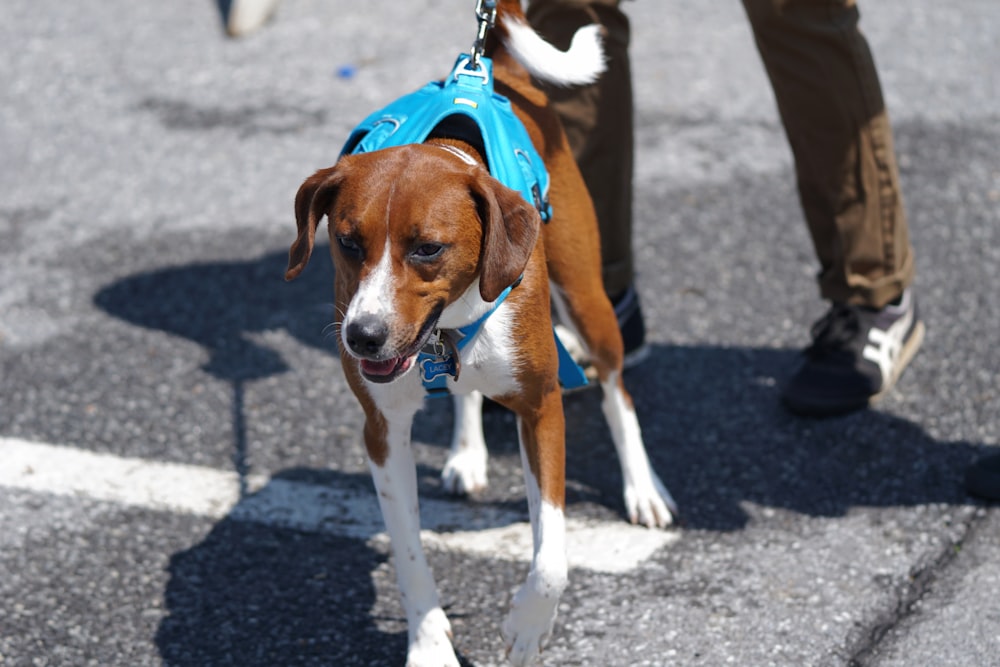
(470, 66)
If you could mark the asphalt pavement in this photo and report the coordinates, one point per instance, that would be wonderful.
(182, 479)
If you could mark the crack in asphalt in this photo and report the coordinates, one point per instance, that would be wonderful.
(865, 650)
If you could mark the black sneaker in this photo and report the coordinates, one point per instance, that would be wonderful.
(856, 356)
(632, 326)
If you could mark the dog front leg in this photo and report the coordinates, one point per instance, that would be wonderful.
(542, 435)
(394, 473)
(465, 470)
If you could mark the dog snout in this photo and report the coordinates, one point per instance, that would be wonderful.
(366, 336)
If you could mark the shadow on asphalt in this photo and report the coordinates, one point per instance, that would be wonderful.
(217, 304)
(250, 594)
(715, 428)
(711, 419)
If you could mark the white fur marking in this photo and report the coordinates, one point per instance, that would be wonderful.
(487, 362)
(647, 500)
(466, 309)
(374, 296)
(396, 484)
(465, 470)
(582, 63)
(565, 328)
(533, 609)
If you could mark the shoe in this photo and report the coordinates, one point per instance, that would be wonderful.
(632, 326)
(982, 478)
(242, 17)
(856, 356)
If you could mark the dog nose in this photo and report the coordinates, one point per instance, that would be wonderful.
(367, 335)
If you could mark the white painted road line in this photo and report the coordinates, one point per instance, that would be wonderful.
(482, 530)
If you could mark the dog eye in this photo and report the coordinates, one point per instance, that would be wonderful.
(428, 250)
(349, 246)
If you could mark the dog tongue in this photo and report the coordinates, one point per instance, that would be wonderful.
(378, 367)
(381, 368)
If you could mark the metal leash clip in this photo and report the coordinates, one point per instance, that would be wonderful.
(486, 15)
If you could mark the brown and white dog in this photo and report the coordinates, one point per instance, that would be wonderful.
(423, 239)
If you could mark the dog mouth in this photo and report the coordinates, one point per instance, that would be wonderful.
(382, 371)
(387, 370)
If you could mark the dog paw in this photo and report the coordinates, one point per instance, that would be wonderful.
(528, 625)
(524, 635)
(430, 642)
(650, 504)
(464, 472)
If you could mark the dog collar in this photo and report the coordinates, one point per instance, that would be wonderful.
(463, 106)
(441, 357)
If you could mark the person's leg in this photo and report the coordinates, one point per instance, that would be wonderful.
(830, 101)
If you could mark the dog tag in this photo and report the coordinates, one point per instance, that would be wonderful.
(456, 359)
(432, 368)
(441, 359)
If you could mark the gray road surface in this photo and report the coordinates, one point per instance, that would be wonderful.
(147, 171)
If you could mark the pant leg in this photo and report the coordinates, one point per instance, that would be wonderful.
(599, 124)
(831, 105)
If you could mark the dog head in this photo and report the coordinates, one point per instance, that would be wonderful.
(412, 230)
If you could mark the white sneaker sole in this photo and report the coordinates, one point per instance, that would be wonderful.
(905, 355)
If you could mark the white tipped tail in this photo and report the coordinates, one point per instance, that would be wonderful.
(582, 63)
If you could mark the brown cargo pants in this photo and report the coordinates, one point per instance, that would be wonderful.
(830, 102)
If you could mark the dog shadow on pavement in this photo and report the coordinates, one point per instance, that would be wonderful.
(256, 594)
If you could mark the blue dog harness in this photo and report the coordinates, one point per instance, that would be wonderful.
(465, 107)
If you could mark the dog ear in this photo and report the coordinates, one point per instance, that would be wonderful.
(312, 202)
(510, 230)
